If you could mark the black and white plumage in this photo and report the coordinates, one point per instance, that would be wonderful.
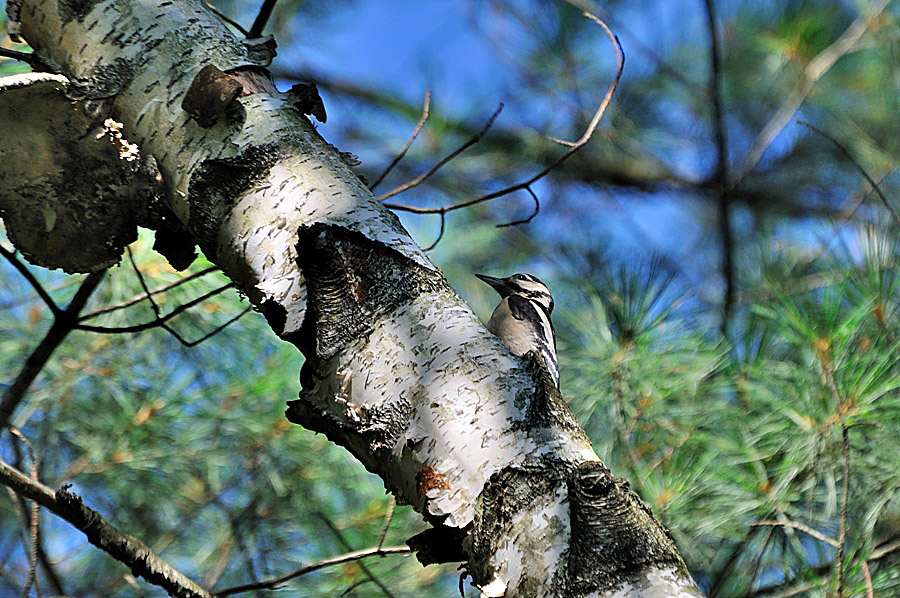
(522, 320)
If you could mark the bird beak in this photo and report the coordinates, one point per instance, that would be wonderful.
(496, 283)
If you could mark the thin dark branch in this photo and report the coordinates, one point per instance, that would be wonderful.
(27, 275)
(537, 209)
(337, 560)
(426, 107)
(440, 232)
(217, 329)
(64, 323)
(721, 172)
(143, 283)
(143, 296)
(123, 547)
(589, 131)
(265, 11)
(226, 18)
(157, 322)
(854, 161)
(160, 320)
(30, 59)
(422, 177)
(340, 537)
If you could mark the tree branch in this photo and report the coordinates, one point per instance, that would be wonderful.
(856, 163)
(265, 11)
(816, 68)
(157, 322)
(226, 18)
(801, 527)
(340, 537)
(123, 547)
(425, 175)
(65, 322)
(425, 110)
(573, 146)
(27, 275)
(721, 171)
(336, 560)
(142, 296)
(30, 59)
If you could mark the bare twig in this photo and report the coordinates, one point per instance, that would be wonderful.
(440, 232)
(123, 547)
(336, 560)
(814, 70)
(884, 550)
(425, 175)
(426, 107)
(27, 275)
(340, 537)
(537, 209)
(388, 515)
(30, 59)
(157, 322)
(142, 296)
(870, 591)
(721, 171)
(859, 167)
(798, 526)
(63, 324)
(156, 311)
(638, 41)
(265, 11)
(589, 131)
(226, 18)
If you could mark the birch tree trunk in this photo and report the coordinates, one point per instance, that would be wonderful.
(398, 369)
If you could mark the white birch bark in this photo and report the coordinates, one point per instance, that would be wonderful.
(398, 369)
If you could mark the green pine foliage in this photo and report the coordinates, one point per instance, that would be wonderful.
(733, 443)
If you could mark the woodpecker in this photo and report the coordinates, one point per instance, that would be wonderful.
(522, 320)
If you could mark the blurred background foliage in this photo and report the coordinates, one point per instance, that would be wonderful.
(731, 426)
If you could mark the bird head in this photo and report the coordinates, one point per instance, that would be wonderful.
(526, 285)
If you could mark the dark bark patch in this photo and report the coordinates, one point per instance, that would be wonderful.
(275, 315)
(218, 184)
(507, 497)
(75, 10)
(614, 534)
(547, 415)
(352, 282)
(103, 81)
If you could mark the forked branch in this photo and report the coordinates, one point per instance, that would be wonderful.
(572, 146)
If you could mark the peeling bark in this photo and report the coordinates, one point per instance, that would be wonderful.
(398, 369)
